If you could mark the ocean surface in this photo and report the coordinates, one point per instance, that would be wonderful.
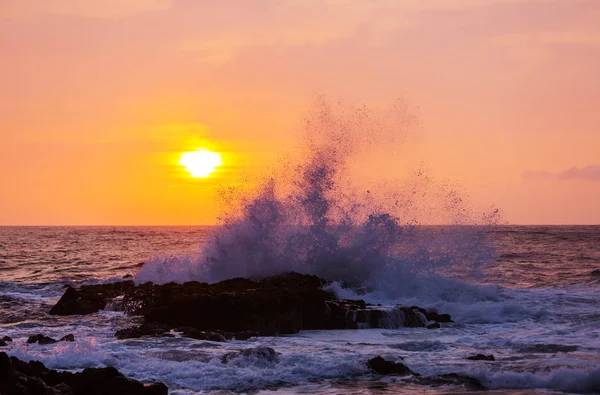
(533, 302)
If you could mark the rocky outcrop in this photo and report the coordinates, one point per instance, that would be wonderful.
(239, 308)
(89, 298)
(383, 366)
(22, 378)
(41, 339)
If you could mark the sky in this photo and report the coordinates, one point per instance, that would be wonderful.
(98, 98)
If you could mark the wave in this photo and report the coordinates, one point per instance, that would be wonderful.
(316, 216)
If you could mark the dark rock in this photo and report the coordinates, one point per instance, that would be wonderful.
(7, 339)
(433, 316)
(262, 354)
(40, 339)
(382, 366)
(89, 298)
(18, 377)
(469, 383)
(127, 276)
(67, 338)
(3, 343)
(435, 325)
(277, 305)
(595, 273)
(135, 332)
(481, 357)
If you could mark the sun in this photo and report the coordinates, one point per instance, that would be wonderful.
(201, 163)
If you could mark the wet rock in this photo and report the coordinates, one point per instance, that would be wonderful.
(3, 343)
(469, 383)
(41, 339)
(265, 354)
(481, 357)
(67, 338)
(89, 298)
(435, 325)
(595, 273)
(382, 366)
(283, 304)
(7, 339)
(18, 377)
(135, 332)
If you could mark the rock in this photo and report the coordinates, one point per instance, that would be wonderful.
(262, 354)
(67, 338)
(3, 343)
(89, 298)
(382, 366)
(18, 377)
(433, 316)
(481, 357)
(41, 339)
(435, 325)
(7, 339)
(135, 332)
(469, 383)
(283, 304)
(595, 273)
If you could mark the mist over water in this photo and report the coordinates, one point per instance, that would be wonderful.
(312, 214)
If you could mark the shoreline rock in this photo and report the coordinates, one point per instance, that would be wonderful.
(278, 305)
(19, 377)
(385, 367)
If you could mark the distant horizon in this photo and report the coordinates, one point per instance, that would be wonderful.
(216, 225)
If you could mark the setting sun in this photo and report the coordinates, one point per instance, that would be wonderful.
(201, 163)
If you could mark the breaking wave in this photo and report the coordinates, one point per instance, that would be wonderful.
(315, 215)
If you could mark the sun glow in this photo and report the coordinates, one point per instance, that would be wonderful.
(201, 163)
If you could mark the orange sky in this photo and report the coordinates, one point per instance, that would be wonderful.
(98, 97)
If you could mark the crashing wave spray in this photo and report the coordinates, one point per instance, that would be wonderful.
(315, 218)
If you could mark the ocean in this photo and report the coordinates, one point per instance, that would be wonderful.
(530, 296)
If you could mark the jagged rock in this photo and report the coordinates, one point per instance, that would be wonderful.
(7, 339)
(22, 378)
(135, 332)
(265, 354)
(281, 304)
(481, 357)
(89, 298)
(41, 339)
(469, 383)
(382, 366)
(67, 338)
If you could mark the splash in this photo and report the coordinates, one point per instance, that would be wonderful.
(314, 215)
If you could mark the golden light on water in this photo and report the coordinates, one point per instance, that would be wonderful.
(201, 163)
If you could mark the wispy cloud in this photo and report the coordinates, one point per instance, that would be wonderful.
(587, 173)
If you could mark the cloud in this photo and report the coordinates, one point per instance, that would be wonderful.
(587, 173)
(22, 9)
